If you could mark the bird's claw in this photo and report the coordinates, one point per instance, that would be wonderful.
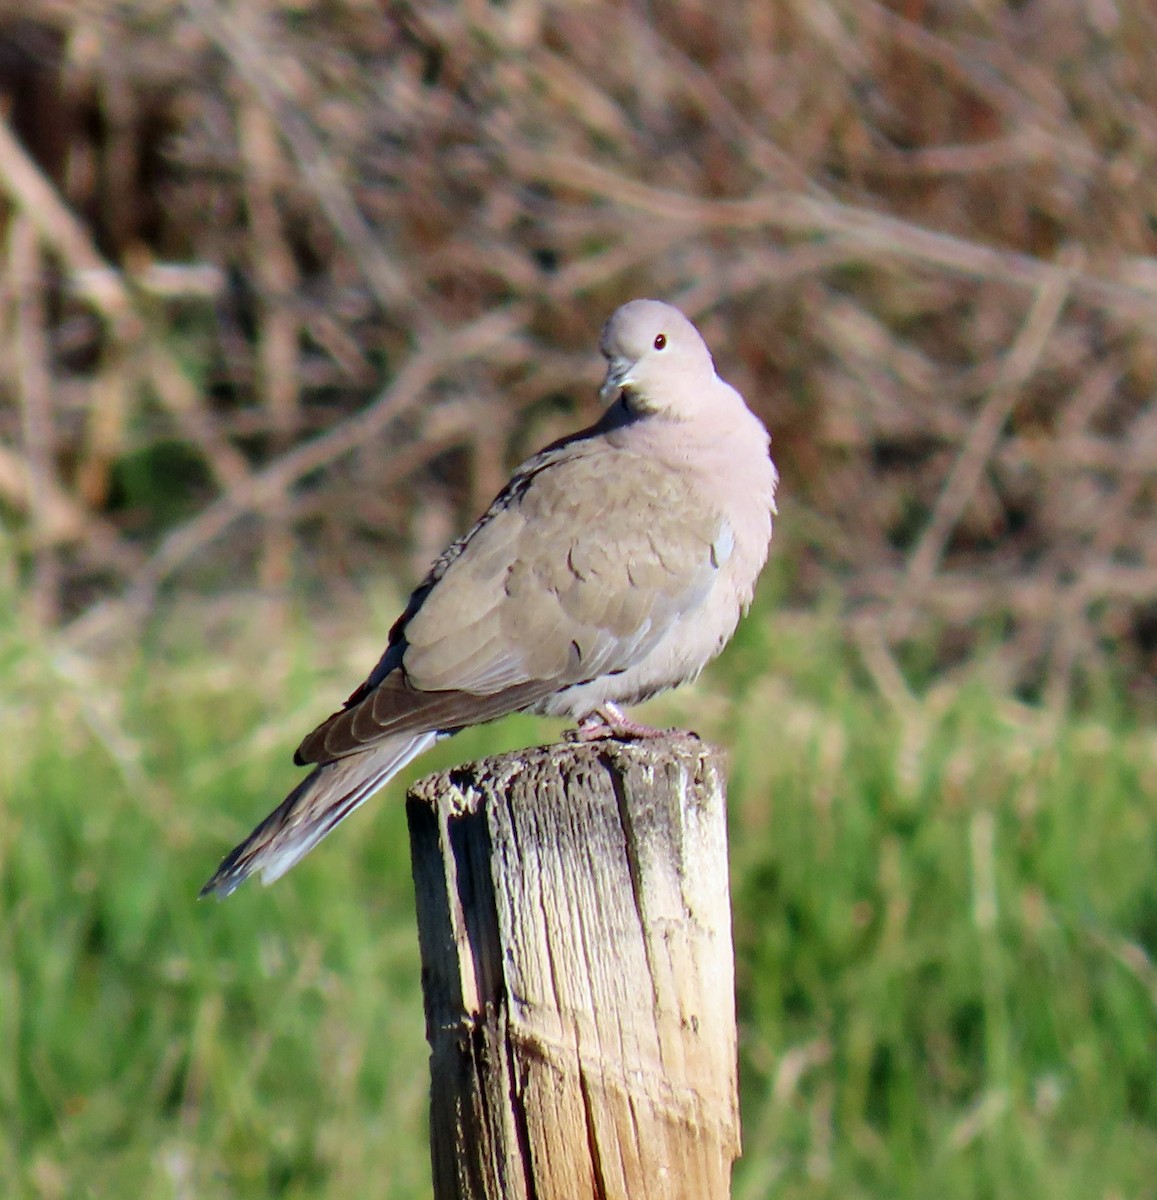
(609, 721)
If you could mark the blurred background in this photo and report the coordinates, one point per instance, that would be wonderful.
(288, 286)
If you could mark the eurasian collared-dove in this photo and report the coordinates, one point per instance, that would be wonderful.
(613, 565)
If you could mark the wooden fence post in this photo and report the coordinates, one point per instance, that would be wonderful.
(575, 930)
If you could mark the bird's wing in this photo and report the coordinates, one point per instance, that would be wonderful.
(575, 572)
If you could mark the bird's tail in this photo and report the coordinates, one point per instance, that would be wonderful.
(323, 799)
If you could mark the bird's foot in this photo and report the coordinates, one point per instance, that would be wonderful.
(609, 721)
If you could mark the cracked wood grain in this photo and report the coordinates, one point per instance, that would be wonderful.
(575, 929)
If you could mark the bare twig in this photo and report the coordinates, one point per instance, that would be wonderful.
(428, 362)
(397, 293)
(876, 233)
(277, 277)
(30, 353)
(25, 185)
(105, 288)
(1018, 366)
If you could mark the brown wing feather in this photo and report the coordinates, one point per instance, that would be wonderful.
(559, 582)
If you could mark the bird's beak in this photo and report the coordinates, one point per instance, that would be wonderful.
(618, 376)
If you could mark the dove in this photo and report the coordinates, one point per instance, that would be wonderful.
(614, 565)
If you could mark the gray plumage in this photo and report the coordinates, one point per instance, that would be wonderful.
(615, 564)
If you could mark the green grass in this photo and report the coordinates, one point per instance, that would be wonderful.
(945, 919)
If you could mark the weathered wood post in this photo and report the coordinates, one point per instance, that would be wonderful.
(575, 929)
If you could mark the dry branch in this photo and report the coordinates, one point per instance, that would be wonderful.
(394, 290)
(978, 447)
(255, 222)
(262, 488)
(104, 287)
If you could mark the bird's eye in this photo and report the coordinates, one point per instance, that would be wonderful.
(660, 341)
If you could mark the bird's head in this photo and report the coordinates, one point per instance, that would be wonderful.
(655, 357)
